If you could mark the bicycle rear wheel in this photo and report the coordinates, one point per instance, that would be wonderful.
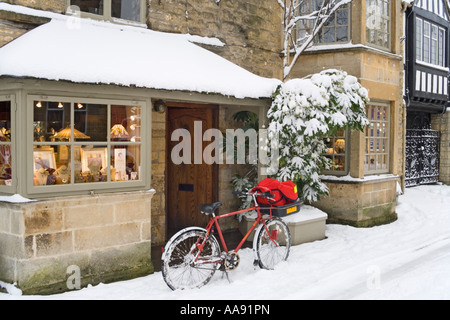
(272, 245)
(179, 269)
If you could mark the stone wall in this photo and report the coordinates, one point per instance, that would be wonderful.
(58, 6)
(159, 177)
(360, 203)
(441, 122)
(41, 242)
(251, 30)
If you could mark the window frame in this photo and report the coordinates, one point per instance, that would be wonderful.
(387, 140)
(107, 13)
(5, 188)
(387, 18)
(91, 187)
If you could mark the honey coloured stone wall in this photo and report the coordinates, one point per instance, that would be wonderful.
(251, 30)
(441, 122)
(54, 245)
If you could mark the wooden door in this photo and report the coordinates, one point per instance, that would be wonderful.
(189, 185)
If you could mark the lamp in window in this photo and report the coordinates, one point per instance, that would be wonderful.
(118, 132)
(66, 134)
(339, 145)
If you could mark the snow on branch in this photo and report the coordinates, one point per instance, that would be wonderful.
(306, 111)
(296, 11)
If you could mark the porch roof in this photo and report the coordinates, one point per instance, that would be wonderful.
(87, 51)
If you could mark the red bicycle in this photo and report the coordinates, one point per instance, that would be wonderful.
(192, 256)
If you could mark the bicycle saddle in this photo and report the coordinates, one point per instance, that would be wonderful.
(210, 207)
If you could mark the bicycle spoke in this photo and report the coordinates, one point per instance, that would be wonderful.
(180, 271)
(273, 244)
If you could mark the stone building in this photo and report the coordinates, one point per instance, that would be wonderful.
(105, 222)
(364, 39)
(86, 107)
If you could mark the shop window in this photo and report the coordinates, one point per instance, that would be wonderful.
(80, 142)
(378, 23)
(5, 144)
(377, 148)
(130, 10)
(337, 153)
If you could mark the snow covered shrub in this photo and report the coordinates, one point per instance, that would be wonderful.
(303, 112)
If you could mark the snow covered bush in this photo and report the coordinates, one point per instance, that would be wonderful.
(303, 113)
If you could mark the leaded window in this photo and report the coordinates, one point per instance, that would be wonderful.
(378, 23)
(377, 149)
(430, 43)
(336, 29)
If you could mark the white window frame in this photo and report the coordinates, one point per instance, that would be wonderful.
(107, 13)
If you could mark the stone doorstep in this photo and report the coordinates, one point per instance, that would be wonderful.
(307, 225)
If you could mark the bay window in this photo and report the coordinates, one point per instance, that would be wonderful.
(86, 143)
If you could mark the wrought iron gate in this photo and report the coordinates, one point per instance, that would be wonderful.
(422, 156)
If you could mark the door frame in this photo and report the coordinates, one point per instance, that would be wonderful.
(215, 123)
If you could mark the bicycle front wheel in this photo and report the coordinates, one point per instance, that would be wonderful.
(273, 244)
(183, 267)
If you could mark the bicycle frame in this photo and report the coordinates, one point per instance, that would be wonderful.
(214, 221)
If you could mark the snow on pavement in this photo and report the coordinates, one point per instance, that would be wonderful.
(407, 259)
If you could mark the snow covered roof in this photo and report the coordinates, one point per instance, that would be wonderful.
(87, 51)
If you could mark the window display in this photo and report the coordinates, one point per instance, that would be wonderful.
(81, 142)
(336, 152)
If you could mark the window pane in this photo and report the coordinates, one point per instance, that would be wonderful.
(91, 6)
(125, 123)
(125, 162)
(49, 121)
(126, 9)
(5, 140)
(90, 122)
(51, 165)
(5, 121)
(419, 39)
(90, 164)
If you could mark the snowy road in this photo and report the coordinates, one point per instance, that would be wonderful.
(407, 259)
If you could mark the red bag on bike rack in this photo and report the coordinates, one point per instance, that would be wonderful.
(284, 192)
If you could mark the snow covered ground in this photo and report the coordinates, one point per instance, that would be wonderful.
(408, 259)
